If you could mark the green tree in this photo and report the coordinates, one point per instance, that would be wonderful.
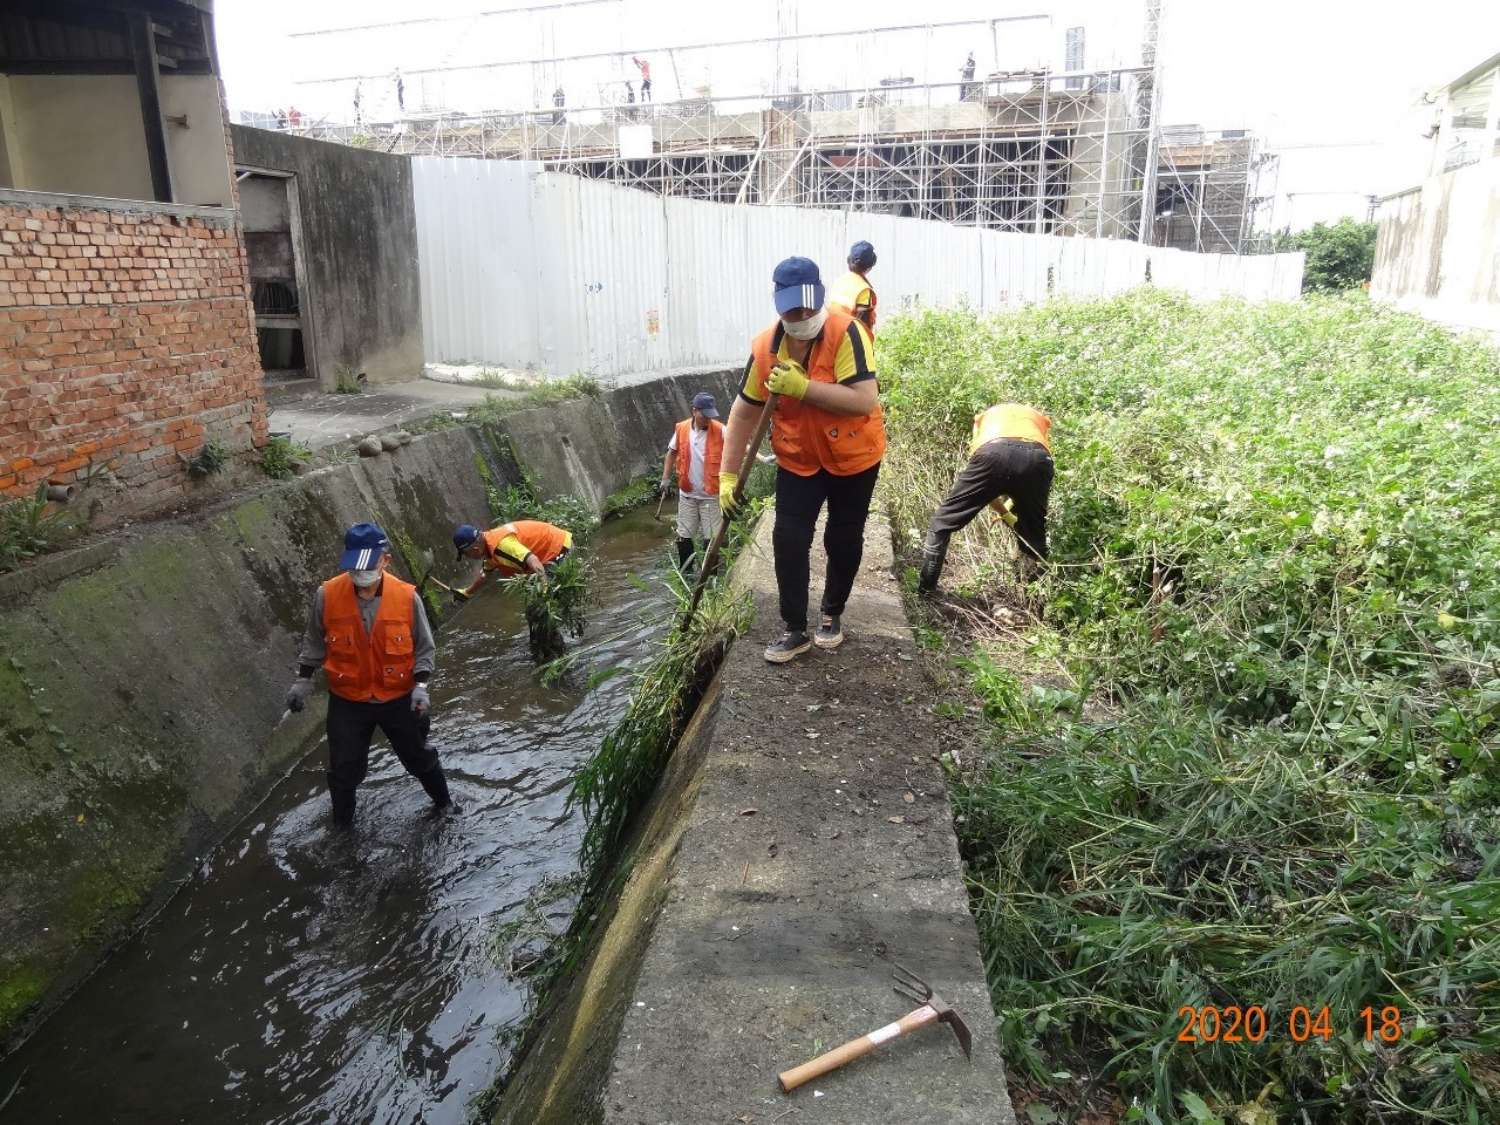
(1340, 256)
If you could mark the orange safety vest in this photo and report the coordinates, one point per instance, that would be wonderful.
(713, 455)
(368, 666)
(541, 539)
(1009, 420)
(845, 293)
(806, 438)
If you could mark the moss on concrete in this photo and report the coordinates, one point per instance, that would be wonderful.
(21, 986)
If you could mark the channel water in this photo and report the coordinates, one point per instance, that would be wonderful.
(307, 976)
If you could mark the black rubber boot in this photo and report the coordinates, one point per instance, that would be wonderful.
(684, 555)
(934, 554)
(343, 807)
(436, 785)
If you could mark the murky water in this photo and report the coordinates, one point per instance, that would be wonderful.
(303, 976)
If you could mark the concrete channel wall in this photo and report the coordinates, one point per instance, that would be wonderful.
(800, 842)
(141, 676)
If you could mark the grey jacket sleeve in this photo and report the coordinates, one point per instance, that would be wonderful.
(313, 651)
(424, 650)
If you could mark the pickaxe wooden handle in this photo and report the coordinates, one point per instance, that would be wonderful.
(832, 1060)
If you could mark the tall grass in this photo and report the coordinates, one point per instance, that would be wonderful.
(1276, 586)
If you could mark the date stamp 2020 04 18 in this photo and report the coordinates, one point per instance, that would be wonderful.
(1232, 1024)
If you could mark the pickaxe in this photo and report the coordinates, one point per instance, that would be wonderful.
(933, 1009)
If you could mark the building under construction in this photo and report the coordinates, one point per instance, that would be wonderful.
(1073, 151)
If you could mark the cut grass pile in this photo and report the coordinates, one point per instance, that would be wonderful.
(1269, 777)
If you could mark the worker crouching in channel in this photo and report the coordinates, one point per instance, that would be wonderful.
(1010, 459)
(369, 631)
(696, 453)
(511, 549)
(828, 437)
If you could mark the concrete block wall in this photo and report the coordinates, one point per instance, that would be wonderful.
(126, 340)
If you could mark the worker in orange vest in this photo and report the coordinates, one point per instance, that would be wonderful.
(369, 631)
(828, 437)
(511, 549)
(1010, 459)
(696, 453)
(853, 293)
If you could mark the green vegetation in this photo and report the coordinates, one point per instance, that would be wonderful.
(640, 491)
(558, 605)
(1249, 759)
(210, 459)
(30, 527)
(281, 458)
(550, 393)
(1339, 256)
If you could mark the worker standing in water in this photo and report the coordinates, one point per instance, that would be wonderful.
(368, 630)
(828, 436)
(695, 454)
(511, 549)
(1010, 459)
(853, 294)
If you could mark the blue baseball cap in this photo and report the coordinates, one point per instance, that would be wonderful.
(463, 537)
(364, 544)
(798, 285)
(703, 402)
(861, 256)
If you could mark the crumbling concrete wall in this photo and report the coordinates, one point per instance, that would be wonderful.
(359, 234)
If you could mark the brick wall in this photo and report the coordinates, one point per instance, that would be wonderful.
(126, 339)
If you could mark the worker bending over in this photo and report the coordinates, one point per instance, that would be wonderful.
(828, 437)
(515, 548)
(1010, 458)
(368, 630)
(696, 453)
(853, 294)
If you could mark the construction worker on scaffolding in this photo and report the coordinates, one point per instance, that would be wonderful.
(853, 294)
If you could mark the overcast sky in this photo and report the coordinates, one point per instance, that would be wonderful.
(1330, 84)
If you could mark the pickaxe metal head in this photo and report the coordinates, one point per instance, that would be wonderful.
(913, 987)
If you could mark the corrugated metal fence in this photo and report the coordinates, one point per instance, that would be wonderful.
(524, 268)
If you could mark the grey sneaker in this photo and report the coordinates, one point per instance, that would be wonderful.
(830, 633)
(787, 647)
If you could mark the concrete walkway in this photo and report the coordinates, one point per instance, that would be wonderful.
(820, 848)
(331, 418)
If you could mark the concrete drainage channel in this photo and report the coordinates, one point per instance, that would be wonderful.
(799, 842)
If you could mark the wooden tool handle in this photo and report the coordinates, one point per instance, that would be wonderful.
(832, 1060)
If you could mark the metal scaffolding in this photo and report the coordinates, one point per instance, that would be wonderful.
(1039, 151)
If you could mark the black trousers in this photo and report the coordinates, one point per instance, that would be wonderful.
(351, 727)
(1010, 467)
(798, 501)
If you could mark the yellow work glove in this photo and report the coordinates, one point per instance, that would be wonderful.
(1007, 510)
(727, 483)
(788, 378)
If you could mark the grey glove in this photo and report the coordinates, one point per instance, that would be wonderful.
(421, 701)
(296, 695)
(664, 489)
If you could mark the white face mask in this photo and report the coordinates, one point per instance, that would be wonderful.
(365, 578)
(805, 329)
